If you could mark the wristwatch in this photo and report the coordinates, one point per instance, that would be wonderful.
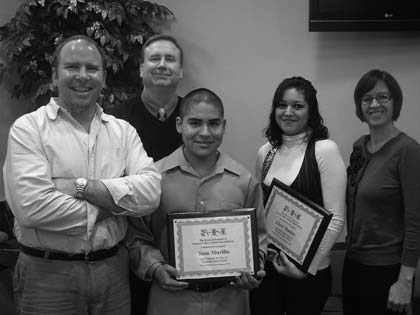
(80, 184)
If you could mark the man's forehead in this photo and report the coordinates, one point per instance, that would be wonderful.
(203, 117)
(80, 48)
(77, 44)
(204, 109)
(162, 45)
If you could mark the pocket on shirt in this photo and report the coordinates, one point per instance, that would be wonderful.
(113, 162)
(114, 154)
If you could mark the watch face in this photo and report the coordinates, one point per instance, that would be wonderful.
(81, 182)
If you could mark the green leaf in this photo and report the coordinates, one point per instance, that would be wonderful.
(49, 58)
(103, 40)
(119, 19)
(59, 11)
(115, 67)
(27, 40)
(89, 31)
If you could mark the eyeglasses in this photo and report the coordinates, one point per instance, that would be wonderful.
(381, 98)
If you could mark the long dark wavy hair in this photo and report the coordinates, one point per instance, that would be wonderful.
(315, 122)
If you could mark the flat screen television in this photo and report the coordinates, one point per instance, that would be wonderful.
(364, 15)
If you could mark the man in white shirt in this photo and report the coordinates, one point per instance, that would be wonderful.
(72, 175)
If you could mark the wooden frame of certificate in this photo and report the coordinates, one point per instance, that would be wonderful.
(295, 225)
(213, 245)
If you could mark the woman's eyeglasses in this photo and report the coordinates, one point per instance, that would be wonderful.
(381, 98)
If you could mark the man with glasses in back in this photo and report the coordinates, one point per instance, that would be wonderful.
(153, 114)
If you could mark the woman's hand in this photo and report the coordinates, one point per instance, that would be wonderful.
(165, 276)
(284, 266)
(399, 297)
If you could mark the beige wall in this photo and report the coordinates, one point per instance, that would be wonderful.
(243, 48)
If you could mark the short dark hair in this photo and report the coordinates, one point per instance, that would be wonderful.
(274, 133)
(57, 52)
(159, 37)
(368, 82)
(200, 95)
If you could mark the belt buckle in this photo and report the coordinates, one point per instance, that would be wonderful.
(203, 287)
(89, 259)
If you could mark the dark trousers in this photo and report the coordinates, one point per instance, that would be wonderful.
(8, 255)
(278, 295)
(366, 288)
(139, 295)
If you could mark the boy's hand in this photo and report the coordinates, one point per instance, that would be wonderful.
(165, 276)
(247, 282)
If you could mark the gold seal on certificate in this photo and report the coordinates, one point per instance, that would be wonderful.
(295, 225)
(213, 245)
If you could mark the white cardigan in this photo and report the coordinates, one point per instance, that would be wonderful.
(286, 166)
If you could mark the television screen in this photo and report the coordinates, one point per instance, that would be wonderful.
(364, 15)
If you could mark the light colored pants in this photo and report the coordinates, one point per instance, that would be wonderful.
(72, 287)
(223, 301)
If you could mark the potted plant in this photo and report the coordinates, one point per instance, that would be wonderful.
(120, 27)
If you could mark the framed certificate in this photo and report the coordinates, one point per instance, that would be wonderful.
(213, 245)
(295, 225)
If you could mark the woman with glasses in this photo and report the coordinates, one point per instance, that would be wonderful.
(299, 154)
(383, 204)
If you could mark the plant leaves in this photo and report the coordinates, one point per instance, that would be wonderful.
(119, 26)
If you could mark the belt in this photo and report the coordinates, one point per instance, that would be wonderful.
(91, 257)
(206, 287)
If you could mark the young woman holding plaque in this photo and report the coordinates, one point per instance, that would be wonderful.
(383, 203)
(299, 154)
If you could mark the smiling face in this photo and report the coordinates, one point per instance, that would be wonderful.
(79, 76)
(161, 65)
(202, 129)
(292, 112)
(374, 113)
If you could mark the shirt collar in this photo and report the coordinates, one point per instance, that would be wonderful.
(177, 159)
(53, 109)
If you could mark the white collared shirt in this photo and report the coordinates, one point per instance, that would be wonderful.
(49, 143)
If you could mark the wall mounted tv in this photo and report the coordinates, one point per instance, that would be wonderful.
(364, 15)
